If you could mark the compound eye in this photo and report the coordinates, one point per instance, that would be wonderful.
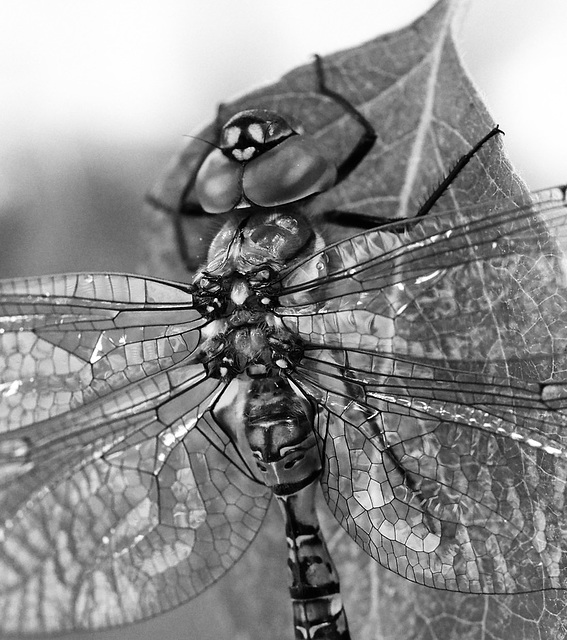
(295, 168)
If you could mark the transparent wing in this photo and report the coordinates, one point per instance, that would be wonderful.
(118, 497)
(69, 340)
(460, 501)
(437, 360)
(84, 359)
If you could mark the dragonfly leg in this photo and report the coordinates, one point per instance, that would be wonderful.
(368, 221)
(459, 166)
(366, 140)
(314, 586)
(365, 220)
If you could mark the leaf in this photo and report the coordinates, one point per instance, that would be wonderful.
(412, 87)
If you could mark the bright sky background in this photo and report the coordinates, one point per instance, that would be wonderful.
(100, 92)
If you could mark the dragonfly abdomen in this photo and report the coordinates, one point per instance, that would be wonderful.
(318, 611)
(279, 431)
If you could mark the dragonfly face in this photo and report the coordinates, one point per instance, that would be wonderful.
(250, 133)
(261, 162)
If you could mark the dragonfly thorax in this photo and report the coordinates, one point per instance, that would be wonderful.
(236, 299)
(254, 350)
(259, 247)
(238, 292)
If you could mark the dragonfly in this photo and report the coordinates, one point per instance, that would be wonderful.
(146, 424)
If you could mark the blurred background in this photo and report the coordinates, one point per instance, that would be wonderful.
(97, 96)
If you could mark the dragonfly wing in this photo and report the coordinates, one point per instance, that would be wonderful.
(494, 285)
(120, 495)
(128, 535)
(460, 494)
(69, 340)
(84, 361)
(437, 361)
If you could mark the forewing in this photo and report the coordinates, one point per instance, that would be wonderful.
(121, 497)
(70, 340)
(437, 359)
(84, 361)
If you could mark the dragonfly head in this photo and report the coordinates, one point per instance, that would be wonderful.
(263, 160)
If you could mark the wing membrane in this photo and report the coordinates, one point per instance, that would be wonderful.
(118, 494)
(379, 274)
(68, 340)
(78, 373)
(451, 508)
(133, 533)
(485, 296)
(437, 360)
